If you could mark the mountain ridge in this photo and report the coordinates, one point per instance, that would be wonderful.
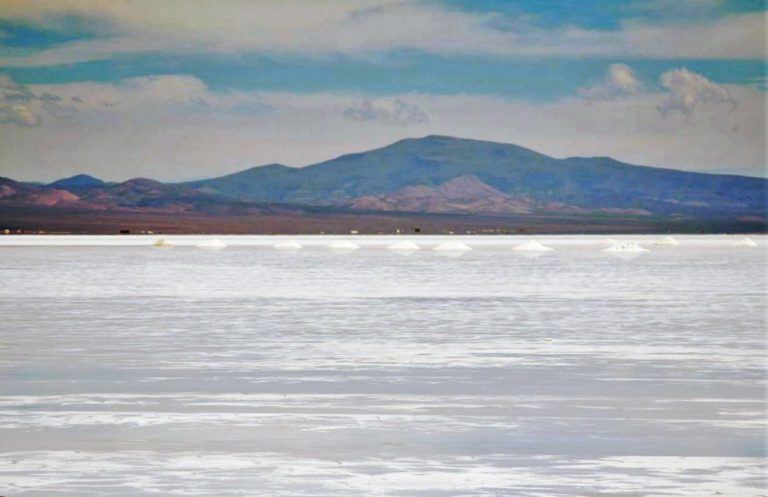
(77, 181)
(436, 174)
(587, 183)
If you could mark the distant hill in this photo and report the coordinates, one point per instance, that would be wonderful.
(385, 177)
(506, 185)
(77, 182)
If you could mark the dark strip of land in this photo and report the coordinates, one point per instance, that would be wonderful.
(308, 220)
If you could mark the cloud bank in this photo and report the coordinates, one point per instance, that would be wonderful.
(387, 111)
(175, 127)
(687, 90)
(360, 28)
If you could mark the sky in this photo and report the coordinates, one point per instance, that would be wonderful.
(185, 89)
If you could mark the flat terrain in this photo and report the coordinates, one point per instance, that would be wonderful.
(307, 220)
(250, 371)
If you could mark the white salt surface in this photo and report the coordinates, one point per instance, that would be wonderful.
(162, 243)
(343, 245)
(404, 245)
(288, 245)
(212, 244)
(138, 373)
(453, 246)
(745, 242)
(533, 246)
(626, 247)
(667, 241)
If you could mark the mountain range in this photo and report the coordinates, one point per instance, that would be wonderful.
(431, 176)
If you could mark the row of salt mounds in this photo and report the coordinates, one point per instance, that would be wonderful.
(405, 246)
(626, 247)
(745, 242)
(533, 246)
(162, 243)
(343, 245)
(667, 241)
(288, 245)
(214, 244)
(452, 247)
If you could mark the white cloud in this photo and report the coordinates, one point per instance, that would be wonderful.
(620, 81)
(16, 104)
(687, 90)
(387, 111)
(155, 127)
(18, 114)
(360, 28)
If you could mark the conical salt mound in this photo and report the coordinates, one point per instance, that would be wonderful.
(745, 242)
(608, 241)
(288, 245)
(667, 241)
(213, 244)
(343, 245)
(453, 247)
(533, 246)
(404, 245)
(162, 243)
(630, 247)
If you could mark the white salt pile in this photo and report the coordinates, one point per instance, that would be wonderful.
(288, 245)
(405, 246)
(343, 245)
(213, 244)
(745, 242)
(533, 246)
(626, 247)
(608, 241)
(162, 243)
(453, 247)
(667, 241)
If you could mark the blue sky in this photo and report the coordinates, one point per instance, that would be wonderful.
(297, 66)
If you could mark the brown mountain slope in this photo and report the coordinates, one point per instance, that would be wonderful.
(464, 194)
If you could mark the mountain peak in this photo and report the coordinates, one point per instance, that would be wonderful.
(439, 142)
(77, 181)
(274, 165)
(435, 139)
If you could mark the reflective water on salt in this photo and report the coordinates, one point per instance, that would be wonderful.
(253, 371)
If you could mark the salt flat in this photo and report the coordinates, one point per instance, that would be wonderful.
(250, 371)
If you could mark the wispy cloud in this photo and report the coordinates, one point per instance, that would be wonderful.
(154, 127)
(360, 28)
(619, 81)
(18, 114)
(387, 111)
(15, 104)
